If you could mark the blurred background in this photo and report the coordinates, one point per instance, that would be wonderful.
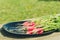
(15, 10)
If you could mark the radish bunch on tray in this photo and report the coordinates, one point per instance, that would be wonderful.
(31, 29)
(42, 24)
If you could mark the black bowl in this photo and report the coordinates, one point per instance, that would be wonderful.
(12, 28)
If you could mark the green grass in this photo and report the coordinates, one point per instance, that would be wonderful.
(15, 10)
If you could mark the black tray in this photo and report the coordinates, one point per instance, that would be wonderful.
(8, 27)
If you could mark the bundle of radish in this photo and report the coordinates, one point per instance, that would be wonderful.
(31, 29)
(40, 25)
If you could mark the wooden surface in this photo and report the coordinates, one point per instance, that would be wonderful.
(53, 36)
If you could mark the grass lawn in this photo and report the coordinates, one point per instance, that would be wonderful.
(15, 10)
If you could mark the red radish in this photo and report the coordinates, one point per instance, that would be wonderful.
(26, 23)
(39, 30)
(32, 24)
(30, 28)
(29, 32)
